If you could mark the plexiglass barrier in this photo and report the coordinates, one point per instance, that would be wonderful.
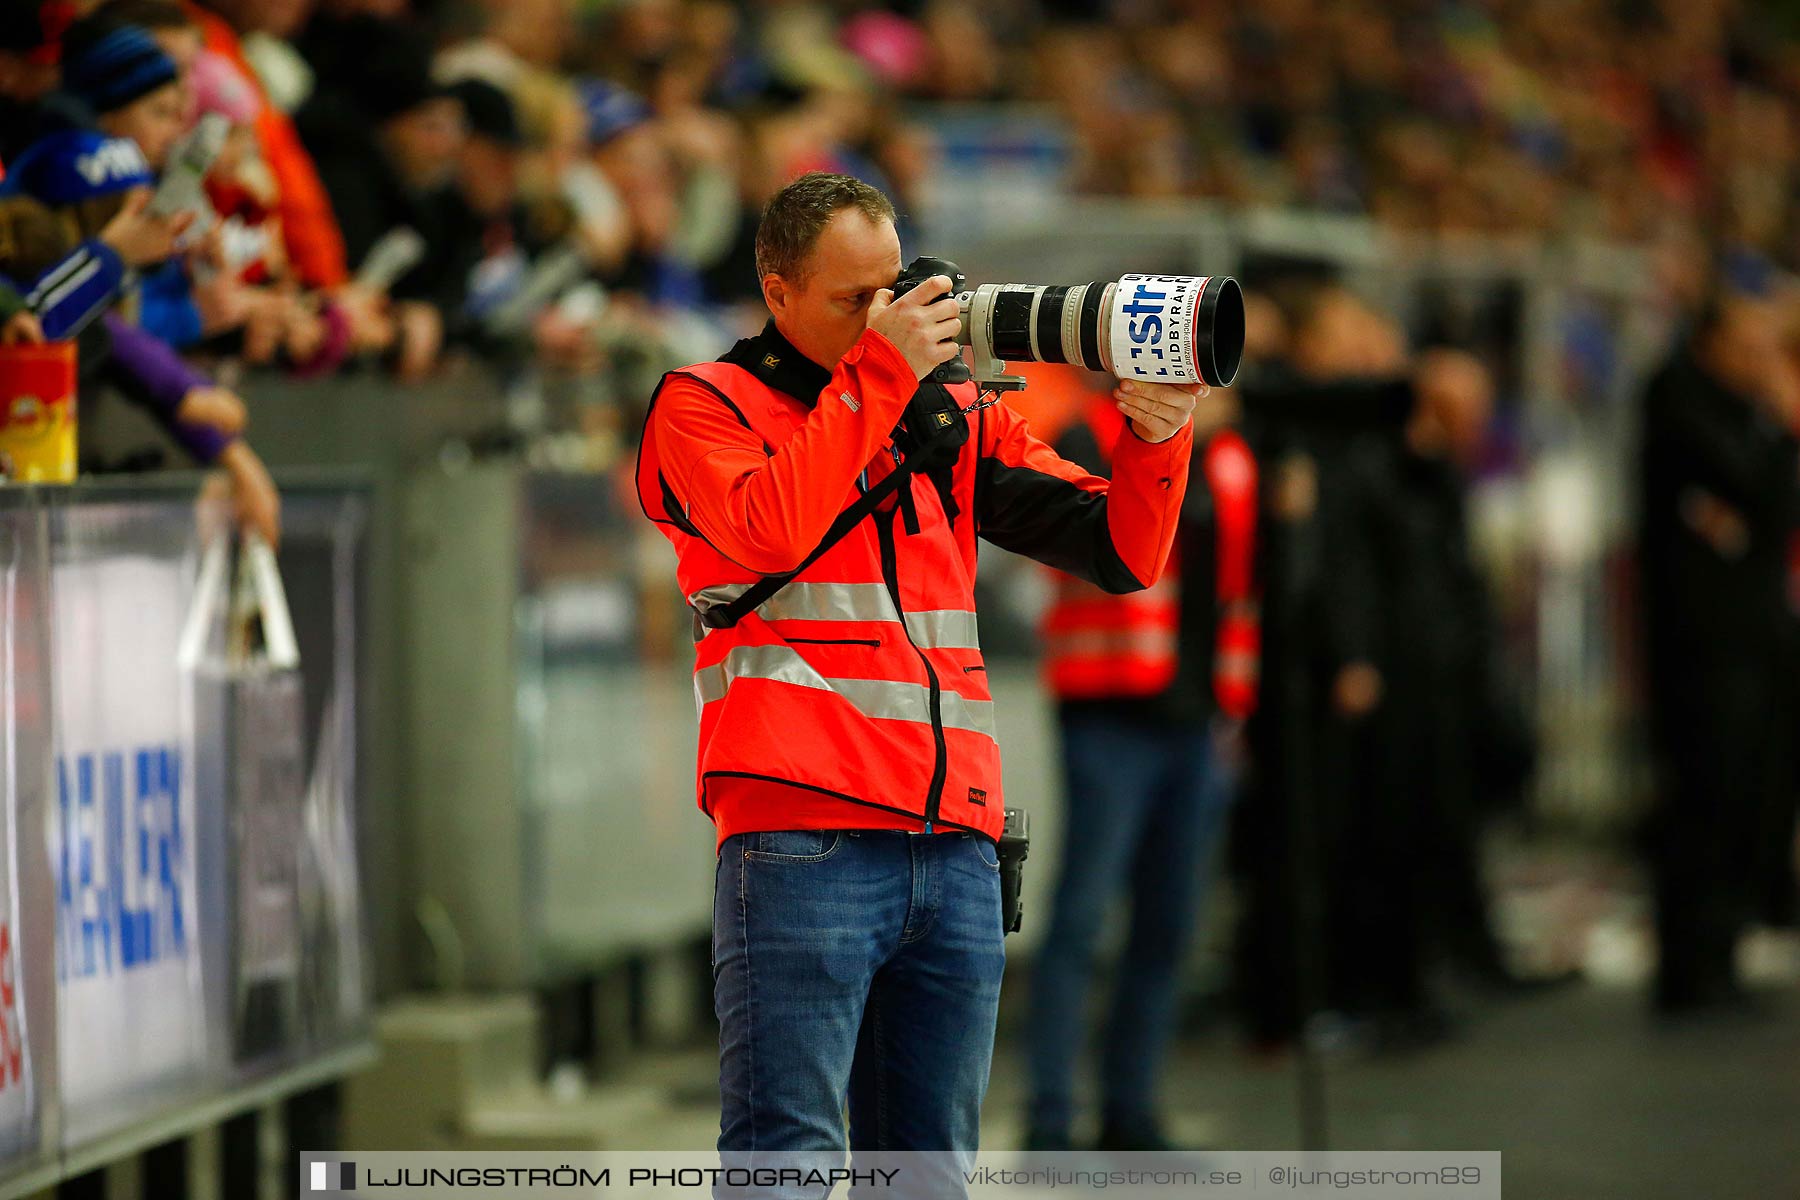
(181, 913)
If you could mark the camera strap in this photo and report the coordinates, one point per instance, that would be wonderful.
(931, 435)
(725, 616)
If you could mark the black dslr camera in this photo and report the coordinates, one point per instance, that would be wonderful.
(918, 271)
(935, 425)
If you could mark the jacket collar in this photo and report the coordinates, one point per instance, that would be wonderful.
(772, 358)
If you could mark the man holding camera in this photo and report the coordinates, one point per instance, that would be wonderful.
(847, 753)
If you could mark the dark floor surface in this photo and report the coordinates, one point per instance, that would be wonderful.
(1586, 1098)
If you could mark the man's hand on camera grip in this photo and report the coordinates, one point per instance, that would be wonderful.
(924, 333)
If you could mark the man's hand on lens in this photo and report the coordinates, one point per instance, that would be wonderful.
(1158, 410)
(924, 333)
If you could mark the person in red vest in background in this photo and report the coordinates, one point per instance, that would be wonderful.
(1150, 687)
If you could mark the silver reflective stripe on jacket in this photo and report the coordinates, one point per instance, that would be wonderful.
(932, 629)
(943, 629)
(876, 699)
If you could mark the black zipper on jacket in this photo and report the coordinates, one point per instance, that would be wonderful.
(890, 572)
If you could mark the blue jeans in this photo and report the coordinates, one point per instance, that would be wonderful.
(1144, 809)
(861, 969)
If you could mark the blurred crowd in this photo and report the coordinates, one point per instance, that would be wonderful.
(365, 185)
(572, 185)
(1633, 120)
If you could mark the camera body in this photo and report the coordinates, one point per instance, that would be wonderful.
(918, 271)
(1161, 328)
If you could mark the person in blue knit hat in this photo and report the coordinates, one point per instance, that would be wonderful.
(53, 195)
(125, 95)
(63, 284)
(122, 82)
(120, 76)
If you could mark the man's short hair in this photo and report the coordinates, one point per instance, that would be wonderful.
(793, 220)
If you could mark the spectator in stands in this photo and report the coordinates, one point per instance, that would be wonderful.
(510, 266)
(71, 181)
(385, 134)
(29, 48)
(517, 49)
(122, 81)
(386, 137)
(236, 283)
(309, 331)
(314, 242)
(632, 153)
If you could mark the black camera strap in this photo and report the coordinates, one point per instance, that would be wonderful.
(931, 435)
(724, 616)
(934, 433)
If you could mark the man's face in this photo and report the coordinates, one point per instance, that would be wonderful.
(1455, 395)
(827, 308)
(488, 175)
(1325, 347)
(1746, 340)
(425, 142)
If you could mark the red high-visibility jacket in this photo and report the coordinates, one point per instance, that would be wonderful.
(856, 697)
(1099, 646)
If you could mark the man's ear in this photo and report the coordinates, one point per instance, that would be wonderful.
(775, 293)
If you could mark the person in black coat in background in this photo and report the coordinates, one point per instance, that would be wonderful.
(507, 262)
(1375, 749)
(1331, 375)
(1416, 754)
(1718, 476)
(387, 137)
